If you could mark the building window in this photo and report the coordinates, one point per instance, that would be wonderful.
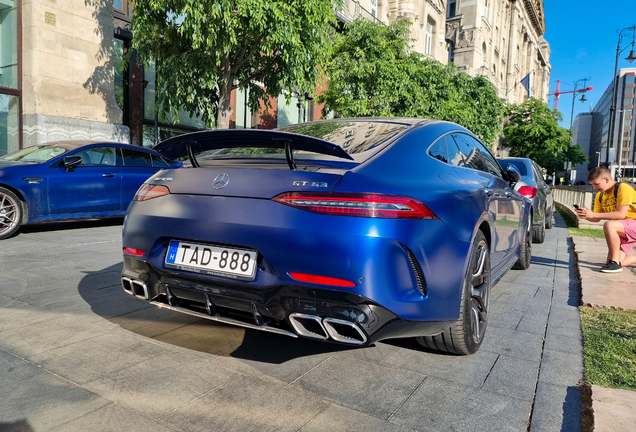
(629, 79)
(121, 6)
(9, 44)
(629, 90)
(486, 9)
(429, 38)
(9, 124)
(120, 89)
(628, 101)
(451, 52)
(452, 8)
(628, 112)
(483, 56)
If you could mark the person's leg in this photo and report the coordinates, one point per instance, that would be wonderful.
(614, 230)
(628, 241)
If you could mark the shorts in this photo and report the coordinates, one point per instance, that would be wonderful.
(630, 232)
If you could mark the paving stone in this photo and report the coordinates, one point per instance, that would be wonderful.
(513, 343)
(337, 418)
(156, 387)
(564, 339)
(90, 359)
(561, 368)
(367, 386)
(513, 377)
(111, 418)
(14, 369)
(565, 317)
(557, 408)
(246, 404)
(470, 370)
(533, 322)
(440, 405)
(505, 318)
(45, 401)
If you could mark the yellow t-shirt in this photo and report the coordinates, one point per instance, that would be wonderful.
(626, 196)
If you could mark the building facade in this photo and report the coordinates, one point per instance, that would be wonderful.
(621, 151)
(503, 41)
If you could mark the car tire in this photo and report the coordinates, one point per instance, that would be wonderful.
(538, 234)
(523, 262)
(548, 218)
(10, 213)
(467, 333)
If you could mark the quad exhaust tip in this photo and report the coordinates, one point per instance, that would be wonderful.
(314, 327)
(135, 287)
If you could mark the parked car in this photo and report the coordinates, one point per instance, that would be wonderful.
(350, 230)
(72, 180)
(538, 191)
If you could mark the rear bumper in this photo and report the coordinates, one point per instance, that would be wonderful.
(291, 310)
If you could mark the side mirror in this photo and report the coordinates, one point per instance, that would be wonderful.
(512, 174)
(72, 162)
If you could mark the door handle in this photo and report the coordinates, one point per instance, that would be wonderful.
(108, 175)
(488, 192)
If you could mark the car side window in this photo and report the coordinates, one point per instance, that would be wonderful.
(98, 156)
(455, 156)
(137, 158)
(438, 150)
(538, 175)
(475, 155)
(158, 161)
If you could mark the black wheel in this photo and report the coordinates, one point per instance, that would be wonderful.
(467, 333)
(538, 234)
(526, 250)
(548, 218)
(10, 213)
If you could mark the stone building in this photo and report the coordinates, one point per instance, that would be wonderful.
(502, 40)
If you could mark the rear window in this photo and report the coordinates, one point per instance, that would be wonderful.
(354, 137)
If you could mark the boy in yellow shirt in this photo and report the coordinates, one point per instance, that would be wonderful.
(618, 206)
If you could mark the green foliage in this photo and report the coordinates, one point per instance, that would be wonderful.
(533, 131)
(207, 48)
(373, 71)
(609, 344)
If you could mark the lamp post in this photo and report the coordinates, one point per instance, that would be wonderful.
(630, 58)
(598, 158)
(583, 99)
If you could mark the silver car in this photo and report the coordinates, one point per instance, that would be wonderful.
(533, 186)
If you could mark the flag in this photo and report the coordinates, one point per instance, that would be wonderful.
(525, 82)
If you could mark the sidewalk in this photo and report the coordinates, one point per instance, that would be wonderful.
(614, 409)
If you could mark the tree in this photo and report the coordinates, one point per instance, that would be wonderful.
(373, 71)
(207, 48)
(533, 131)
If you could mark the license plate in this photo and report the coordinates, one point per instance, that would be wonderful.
(214, 260)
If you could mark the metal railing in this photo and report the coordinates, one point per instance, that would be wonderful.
(583, 196)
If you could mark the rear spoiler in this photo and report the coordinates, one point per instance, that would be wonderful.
(189, 144)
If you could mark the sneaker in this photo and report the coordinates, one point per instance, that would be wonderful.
(612, 267)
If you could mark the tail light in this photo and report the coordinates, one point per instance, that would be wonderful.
(357, 204)
(528, 191)
(149, 191)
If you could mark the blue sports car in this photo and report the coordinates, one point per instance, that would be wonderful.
(72, 180)
(349, 230)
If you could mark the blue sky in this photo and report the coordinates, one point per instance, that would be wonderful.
(583, 35)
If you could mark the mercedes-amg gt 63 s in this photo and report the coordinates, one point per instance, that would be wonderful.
(346, 230)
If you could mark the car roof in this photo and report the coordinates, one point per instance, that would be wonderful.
(74, 144)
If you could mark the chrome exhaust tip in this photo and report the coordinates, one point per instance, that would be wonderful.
(308, 326)
(344, 331)
(135, 288)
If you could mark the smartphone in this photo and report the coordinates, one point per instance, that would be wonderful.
(576, 206)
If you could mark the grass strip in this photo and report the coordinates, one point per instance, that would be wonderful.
(575, 231)
(609, 345)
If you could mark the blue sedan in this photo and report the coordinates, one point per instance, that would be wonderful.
(72, 180)
(348, 231)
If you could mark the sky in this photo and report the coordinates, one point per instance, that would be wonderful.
(583, 35)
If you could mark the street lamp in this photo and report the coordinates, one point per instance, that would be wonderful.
(598, 158)
(630, 58)
(583, 99)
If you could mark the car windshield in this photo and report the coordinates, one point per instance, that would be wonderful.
(41, 153)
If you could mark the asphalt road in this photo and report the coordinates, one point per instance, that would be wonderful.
(77, 353)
